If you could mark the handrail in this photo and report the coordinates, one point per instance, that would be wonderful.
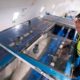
(43, 69)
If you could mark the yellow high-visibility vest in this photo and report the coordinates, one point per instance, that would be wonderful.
(78, 46)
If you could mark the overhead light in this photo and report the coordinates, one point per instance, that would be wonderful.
(42, 8)
(41, 16)
(15, 16)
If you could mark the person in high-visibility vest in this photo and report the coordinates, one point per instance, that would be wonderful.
(76, 71)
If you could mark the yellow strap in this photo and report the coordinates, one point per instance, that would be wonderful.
(78, 51)
(78, 46)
